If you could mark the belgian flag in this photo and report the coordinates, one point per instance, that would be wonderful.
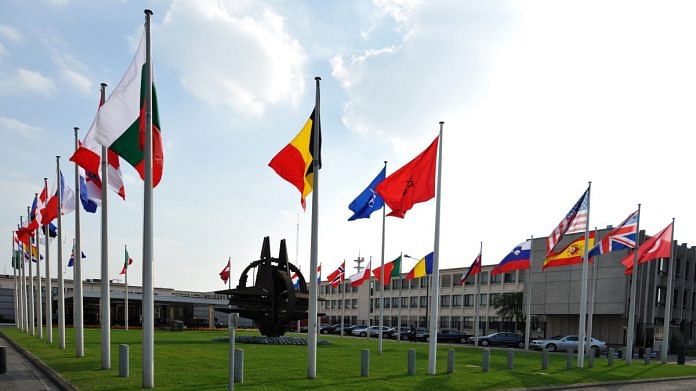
(294, 163)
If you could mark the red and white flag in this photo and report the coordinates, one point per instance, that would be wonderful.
(225, 273)
(658, 246)
(574, 221)
(358, 278)
(338, 275)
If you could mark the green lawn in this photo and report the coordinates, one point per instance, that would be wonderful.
(191, 360)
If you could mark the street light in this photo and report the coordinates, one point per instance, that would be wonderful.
(427, 302)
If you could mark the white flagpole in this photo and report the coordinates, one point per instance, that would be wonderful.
(343, 306)
(125, 312)
(78, 320)
(148, 303)
(633, 296)
(435, 286)
(297, 256)
(39, 296)
(49, 293)
(401, 286)
(16, 282)
(105, 302)
(32, 307)
(583, 287)
(381, 275)
(369, 297)
(61, 286)
(528, 319)
(476, 300)
(314, 248)
(668, 299)
(590, 313)
(23, 286)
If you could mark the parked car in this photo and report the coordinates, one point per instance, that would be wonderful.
(500, 339)
(422, 334)
(373, 331)
(401, 333)
(196, 323)
(321, 327)
(360, 331)
(449, 336)
(347, 328)
(562, 343)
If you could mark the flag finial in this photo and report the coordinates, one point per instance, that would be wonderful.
(148, 11)
(317, 78)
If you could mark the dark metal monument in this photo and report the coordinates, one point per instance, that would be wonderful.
(272, 302)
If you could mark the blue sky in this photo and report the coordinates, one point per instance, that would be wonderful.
(537, 97)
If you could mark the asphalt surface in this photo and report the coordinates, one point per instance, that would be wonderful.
(653, 386)
(21, 374)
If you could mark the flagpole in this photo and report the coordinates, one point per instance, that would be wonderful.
(528, 319)
(343, 306)
(16, 282)
(297, 255)
(148, 248)
(401, 287)
(583, 287)
(590, 314)
(369, 297)
(61, 286)
(78, 320)
(39, 296)
(49, 293)
(476, 300)
(105, 302)
(381, 274)
(32, 324)
(633, 296)
(23, 287)
(125, 313)
(668, 299)
(435, 286)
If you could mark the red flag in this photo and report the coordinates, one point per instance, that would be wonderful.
(412, 183)
(225, 273)
(338, 275)
(658, 246)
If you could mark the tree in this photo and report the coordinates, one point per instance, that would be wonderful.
(509, 305)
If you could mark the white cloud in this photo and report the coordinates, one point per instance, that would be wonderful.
(72, 72)
(17, 127)
(11, 34)
(233, 54)
(27, 81)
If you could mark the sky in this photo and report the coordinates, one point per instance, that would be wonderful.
(538, 98)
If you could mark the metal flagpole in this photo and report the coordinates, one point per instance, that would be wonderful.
(401, 287)
(39, 295)
(435, 286)
(297, 255)
(590, 313)
(668, 300)
(369, 296)
(49, 293)
(125, 312)
(381, 276)
(343, 306)
(528, 319)
(314, 247)
(23, 285)
(61, 286)
(78, 320)
(32, 324)
(105, 302)
(476, 301)
(633, 296)
(583, 287)
(16, 282)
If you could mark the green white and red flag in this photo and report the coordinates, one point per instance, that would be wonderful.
(127, 262)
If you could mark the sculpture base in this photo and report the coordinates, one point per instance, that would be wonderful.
(261, 340)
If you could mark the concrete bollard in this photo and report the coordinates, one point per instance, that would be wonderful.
(510, 359)
(569, 359)
(450, 361)
(365, 362)
(646, 356)
(239, 365)
(544, 359)
(3, 360)
(486, 359)
(123, 361)
(411, 362)
(610, 357)
(590, 358)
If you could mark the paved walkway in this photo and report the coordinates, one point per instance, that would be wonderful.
(654, 386)
(21, 374)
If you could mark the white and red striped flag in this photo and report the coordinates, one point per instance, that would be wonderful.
(338, 275)
(574, 221)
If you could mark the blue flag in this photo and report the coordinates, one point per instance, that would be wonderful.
(368, 201)
(87, 203)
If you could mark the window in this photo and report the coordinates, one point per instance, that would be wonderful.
(415, 283)
(468, 322)
(678, 269)
(347, 303)
(386, 302)
(664, 265)
(424, 282)
(686, 269)
(446, 281)
(395, 302)
(469, 281)
(494, 323)
(456, 323)
(684, 299)
(444, 322)
(693, 299)
(445, 301)
(354, 304)
(468, 300)
(340, 288)
(674, 298)
(483, 278)
(422, 321)
(456, 300)
(395, 284)
(340, 304)
(496, 279)
(414, 302)
(509, 278)
(404, 283)
(376, 303)
(660, 296)
(483, 300)
(377, 287)
(494, 297)
(404, 302)
(423, 301)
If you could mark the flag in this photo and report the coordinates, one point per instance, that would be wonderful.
(360, 277)
(570, 255)
(120, 122)
(337, 276)
(368, 201)
(34, 252)
(225, 273)
(37, 206)
(319, 274)
(658, 246)
(620, 238)
(90, 191)
(518, 259)
(412, 183)
(422, 268)
(67, 196)
(126, 262)
(88, 156)
(52, 232)
(71, 261)
(391, 270)
(295, 281)
(294, 163)
(474, 269)
(574, 221)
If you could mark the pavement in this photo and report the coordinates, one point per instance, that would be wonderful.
(22, 375)
(669, 385)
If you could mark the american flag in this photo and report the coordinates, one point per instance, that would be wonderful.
(338, 275)
(574, 221)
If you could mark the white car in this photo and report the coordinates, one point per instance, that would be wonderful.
(561, 343)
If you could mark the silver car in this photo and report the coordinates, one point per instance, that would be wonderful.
(561, 343)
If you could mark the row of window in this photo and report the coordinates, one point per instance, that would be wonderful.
(446, 301)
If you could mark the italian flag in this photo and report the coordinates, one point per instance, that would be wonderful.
(127, 262)
(120, 122)
(391, 270)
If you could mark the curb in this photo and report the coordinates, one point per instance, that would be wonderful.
(610, 383)
(49, 372)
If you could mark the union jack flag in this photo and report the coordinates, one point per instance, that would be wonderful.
(620, 238)
(338, 275)
(295, 281)
(574, 221)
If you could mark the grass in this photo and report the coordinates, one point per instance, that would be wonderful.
(191, 360)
